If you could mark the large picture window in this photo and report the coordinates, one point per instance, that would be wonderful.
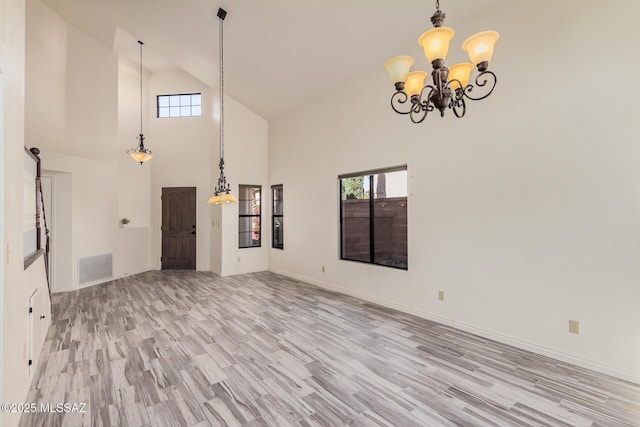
(277, 218)
(249, 221)
(373, 217)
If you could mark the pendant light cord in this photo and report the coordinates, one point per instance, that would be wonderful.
(221, 39)
(141, 43)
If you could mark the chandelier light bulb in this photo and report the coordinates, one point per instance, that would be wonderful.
(459, 75)
(480, 46)
(415, 82)
(435, 43)
(398, 68)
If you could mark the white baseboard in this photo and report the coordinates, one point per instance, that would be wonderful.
(62, 288)
(70, 287)
(474, 329)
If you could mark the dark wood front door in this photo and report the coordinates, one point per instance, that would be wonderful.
(179, 228)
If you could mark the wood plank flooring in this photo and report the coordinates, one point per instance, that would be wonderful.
(190, 348)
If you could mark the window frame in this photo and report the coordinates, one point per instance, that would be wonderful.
(275, 216)
(370, 173)
(169, 95)
(240, 216)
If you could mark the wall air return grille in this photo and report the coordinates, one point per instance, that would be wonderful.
(94, 268)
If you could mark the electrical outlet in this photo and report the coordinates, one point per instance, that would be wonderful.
(574, 327)
(441, 295)
(239, 259)
(323, 268)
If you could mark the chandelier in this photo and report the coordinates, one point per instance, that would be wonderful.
(450, 86)
(222, 192)
(140, 153)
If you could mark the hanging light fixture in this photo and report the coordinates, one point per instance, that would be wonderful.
(450, 85)
(140, 153)
(222, 192)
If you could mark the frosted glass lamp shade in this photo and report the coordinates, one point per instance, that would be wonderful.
(228, 198)
(214, 200)
(480, 46)
(222, 199)
(140, 156)
(398, 68)
(435, 43)
(415, 82)
(460, 72)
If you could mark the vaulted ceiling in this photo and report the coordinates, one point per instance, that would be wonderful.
(278, 53)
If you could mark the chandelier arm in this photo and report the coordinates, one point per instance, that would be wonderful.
(400, 98)
(420, 109)
(456, 91)
(141, 147)
(419, 116)
(486, 80)
(458, 106)
(223, 186)
(426, 104)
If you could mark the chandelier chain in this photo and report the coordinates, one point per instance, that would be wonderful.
(141, 43)
(221, 39)
(438, 5)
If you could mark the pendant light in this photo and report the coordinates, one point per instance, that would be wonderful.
(140, 153)
(222, 192)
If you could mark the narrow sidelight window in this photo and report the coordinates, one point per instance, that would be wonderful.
(249, 221)
(373, 217)
(277, 218)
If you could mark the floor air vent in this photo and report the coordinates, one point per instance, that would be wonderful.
(94, 268)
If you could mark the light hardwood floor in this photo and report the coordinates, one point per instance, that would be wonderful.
(192, 349)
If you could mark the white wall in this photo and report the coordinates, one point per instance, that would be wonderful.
(525, 212)
(246, 153)
(93, 208)
(58, 200)
(134, 179)
(83, 104)
(72, 88)
(132, 251)
(187, 154)
(91, 97)
(46, 67)
(16, 283)
(2, 224)
(181, 147)
(82, 111)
